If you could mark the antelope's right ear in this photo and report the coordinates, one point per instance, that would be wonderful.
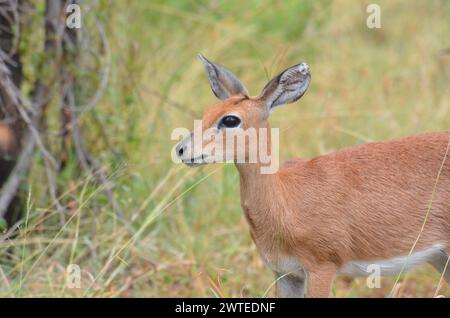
(287, 87)
(223, 83)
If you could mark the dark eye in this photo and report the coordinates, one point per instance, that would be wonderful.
(230, 121)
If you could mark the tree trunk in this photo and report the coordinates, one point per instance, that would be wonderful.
(11, 126)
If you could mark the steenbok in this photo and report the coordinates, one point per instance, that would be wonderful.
(383, 203)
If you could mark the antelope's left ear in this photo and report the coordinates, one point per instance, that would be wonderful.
(287, 87)
(223, 83)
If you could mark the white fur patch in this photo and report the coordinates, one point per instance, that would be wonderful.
(394, 265)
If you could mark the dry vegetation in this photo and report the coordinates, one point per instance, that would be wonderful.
(188, 235)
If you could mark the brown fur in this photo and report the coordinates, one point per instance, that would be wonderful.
(365, 203)
(359, 203)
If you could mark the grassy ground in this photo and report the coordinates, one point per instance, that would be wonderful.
(188, 236)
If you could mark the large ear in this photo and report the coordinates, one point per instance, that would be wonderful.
(287, 87)
(223, 83)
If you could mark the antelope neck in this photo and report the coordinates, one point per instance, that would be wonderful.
(258, 194)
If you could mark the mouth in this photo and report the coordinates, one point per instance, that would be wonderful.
(194, 162)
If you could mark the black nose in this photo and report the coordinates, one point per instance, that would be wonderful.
(180, 150)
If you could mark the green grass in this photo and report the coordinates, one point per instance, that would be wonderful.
(189, 236)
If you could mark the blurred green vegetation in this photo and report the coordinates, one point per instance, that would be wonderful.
(190, 237)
